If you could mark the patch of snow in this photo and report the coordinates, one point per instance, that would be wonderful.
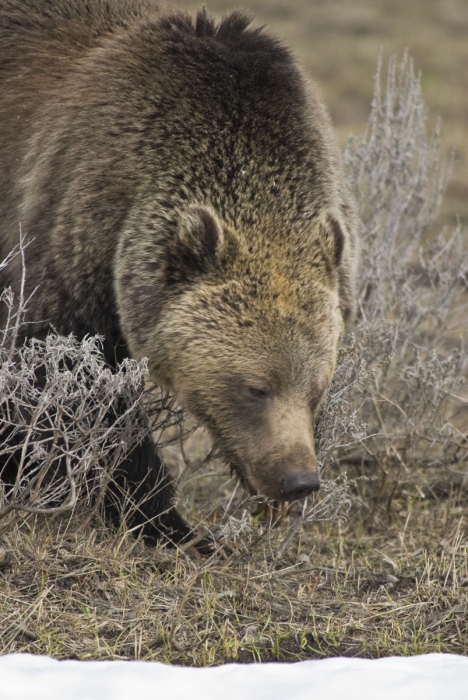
(429, 677)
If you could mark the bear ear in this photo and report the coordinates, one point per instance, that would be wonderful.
(333, 238)
(197, 245)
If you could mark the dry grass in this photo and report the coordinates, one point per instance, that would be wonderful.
(340, 589)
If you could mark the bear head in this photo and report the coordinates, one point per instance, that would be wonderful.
(246, 336)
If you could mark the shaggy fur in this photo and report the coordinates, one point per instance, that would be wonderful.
(184, 195)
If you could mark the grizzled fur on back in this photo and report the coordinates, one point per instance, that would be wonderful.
(184, 197)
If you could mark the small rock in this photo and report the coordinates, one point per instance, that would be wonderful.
(263, 643)
(26, 632)
(225, 594)
(250, 632)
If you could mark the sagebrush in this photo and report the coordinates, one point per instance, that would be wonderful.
(396, 403)
(63, 432)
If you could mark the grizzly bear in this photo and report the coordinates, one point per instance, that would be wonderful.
(183, 196)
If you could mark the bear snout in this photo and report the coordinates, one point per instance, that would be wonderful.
(289, 477)
(298, 485)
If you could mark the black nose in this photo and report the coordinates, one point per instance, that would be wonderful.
(299, 484)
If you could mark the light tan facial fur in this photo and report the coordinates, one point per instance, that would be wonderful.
(249, 348)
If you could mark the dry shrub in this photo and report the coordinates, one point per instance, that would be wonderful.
(66, 419)
(395, 405)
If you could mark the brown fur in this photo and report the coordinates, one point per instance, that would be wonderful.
(186, 198)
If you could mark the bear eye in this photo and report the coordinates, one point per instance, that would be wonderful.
(260, 393)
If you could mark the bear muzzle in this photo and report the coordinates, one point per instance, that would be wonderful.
(298, 485)
(287, 478)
